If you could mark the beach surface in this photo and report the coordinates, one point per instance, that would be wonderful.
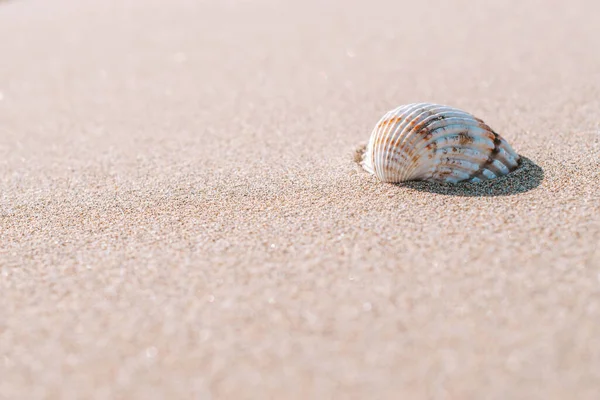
(181, 215)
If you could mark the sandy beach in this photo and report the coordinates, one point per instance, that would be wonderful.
(181, 215)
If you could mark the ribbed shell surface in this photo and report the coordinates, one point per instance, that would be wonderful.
(437, 143)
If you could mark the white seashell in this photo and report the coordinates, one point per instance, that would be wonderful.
(433, 142)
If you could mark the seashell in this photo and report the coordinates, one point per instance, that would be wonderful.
(434, 142)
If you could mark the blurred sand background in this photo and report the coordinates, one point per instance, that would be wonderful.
(181, 216)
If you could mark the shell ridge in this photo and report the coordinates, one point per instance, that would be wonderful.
(493, 164)
(402, 157)
(509, 160)
(369, 156)
(408, 119)
(382, 142)
(445, 163)
(448, 140)
(388, 164)
(468, 135)
(405, 138)
(434, 113)
(390, 127)
(467, 167)
(475, 156)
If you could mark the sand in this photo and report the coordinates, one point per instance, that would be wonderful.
(181, 215)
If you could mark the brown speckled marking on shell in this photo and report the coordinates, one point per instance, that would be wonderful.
(423, 141)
